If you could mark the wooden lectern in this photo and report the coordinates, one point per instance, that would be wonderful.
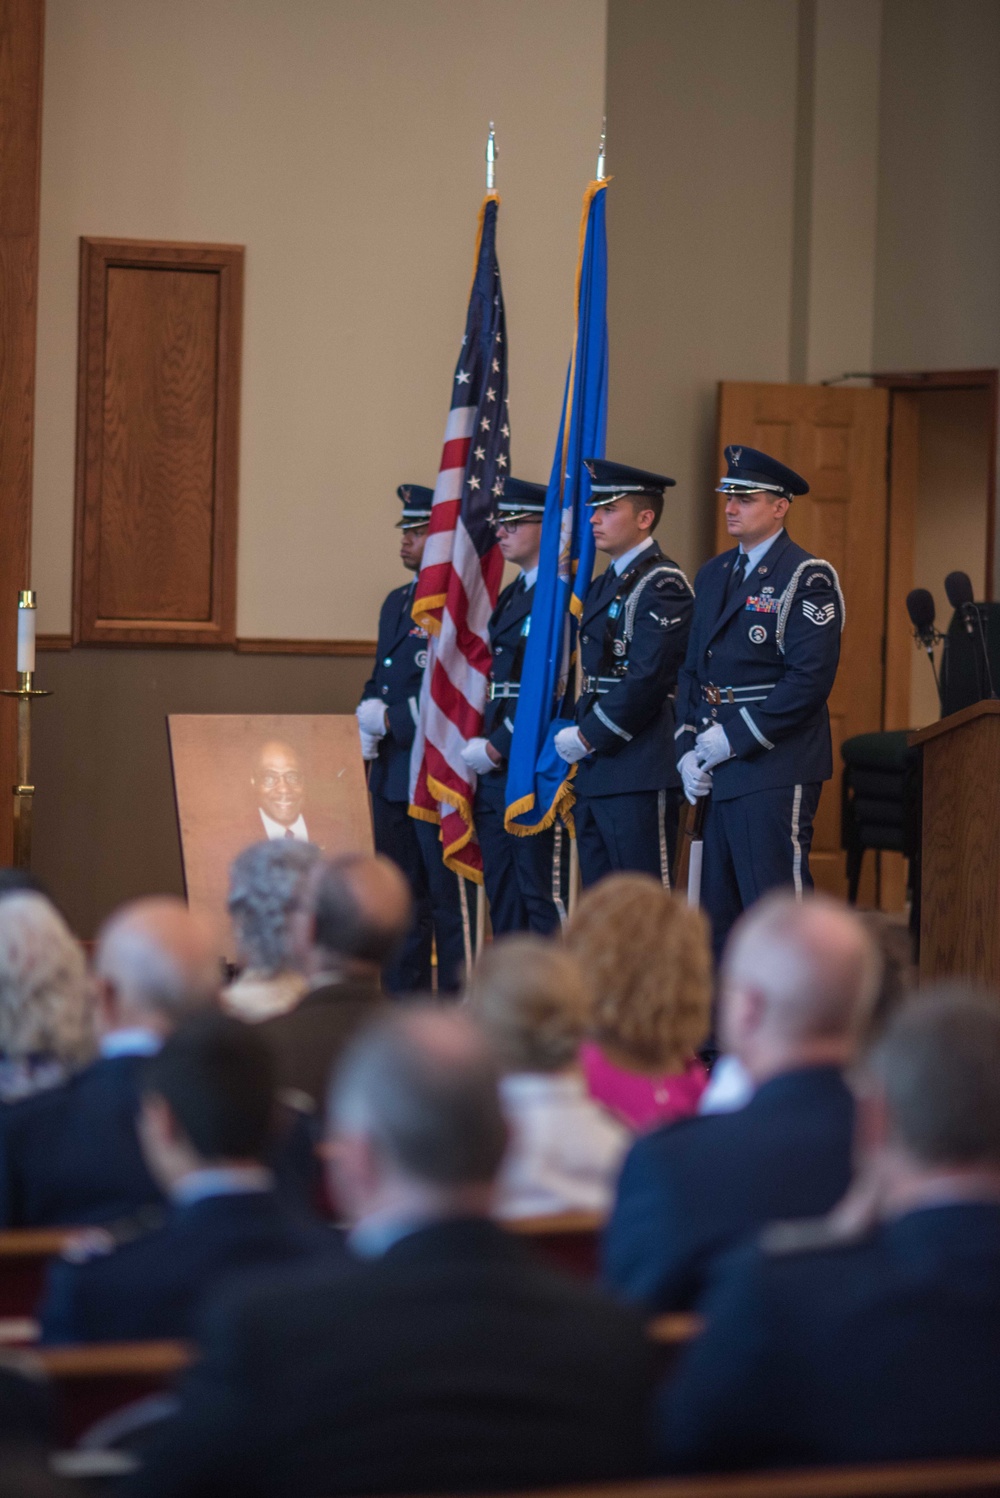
(960, 842)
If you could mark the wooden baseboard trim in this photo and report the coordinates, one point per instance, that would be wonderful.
(305, 647)
(359, 648)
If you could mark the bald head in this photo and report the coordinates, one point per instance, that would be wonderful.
(156, 962)
(421, 1085)
(798, 981)
(359, 910)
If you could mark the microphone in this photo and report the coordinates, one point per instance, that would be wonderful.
(958, 587)
(920, 607)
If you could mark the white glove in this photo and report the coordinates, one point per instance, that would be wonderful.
(712, 747)
(570, 746)
(697, 782)
(372, 718)
(477, 758)
(369, 744)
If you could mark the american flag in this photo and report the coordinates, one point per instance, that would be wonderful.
(462, 566)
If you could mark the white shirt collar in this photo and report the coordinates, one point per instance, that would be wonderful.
(620, 563)
(530, 578)
(275, 830)
(135, 1042)
(761, 550)
(222, 1180)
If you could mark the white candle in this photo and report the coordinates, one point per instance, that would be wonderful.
(26, 611)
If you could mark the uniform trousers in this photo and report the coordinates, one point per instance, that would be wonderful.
(416, 847)
(524, 876)
(635, 830)
(751, 844)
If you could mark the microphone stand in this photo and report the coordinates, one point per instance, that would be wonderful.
(928, 638)
(986, 653)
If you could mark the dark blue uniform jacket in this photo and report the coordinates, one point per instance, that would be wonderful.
(631, 726)
(774, 649)
(151, 1283)
(400, 658)
(71, 1154)
(884, 1349)
(508, 640)
(690, 1191)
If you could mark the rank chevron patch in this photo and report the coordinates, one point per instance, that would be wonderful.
(819, 613)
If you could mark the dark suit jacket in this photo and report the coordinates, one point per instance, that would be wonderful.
(152, 1283)
(308, 1040)
(691, 1190)
(71, 1154)
(453, 1363)
(885, 1349)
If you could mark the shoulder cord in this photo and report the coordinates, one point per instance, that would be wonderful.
(788, 597)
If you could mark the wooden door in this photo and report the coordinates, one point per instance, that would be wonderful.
(837, 439)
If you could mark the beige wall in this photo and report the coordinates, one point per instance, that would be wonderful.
(742, 219)
(342, 143)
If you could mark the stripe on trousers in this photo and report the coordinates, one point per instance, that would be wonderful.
(796, 845)
(661, 817)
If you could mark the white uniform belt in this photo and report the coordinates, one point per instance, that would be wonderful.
(599, 685)
(756, 693)
(497, 689)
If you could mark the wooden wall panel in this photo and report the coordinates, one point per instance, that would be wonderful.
(22, 27)
(157, 443)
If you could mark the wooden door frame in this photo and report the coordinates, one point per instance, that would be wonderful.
(904, 391)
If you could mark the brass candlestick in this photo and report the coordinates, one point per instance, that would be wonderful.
(24, 791)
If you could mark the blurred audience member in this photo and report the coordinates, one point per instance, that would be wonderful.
(354, 913)
(797, 984)
(821, 1350)
(206, 1131)
(445, 1358)
(15, 881)
(531, 998)
(730, 1087)
(71, 1154)
(266, 882)
(648, 960)
(46, 1015)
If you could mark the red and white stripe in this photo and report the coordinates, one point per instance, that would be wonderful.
(453, 694)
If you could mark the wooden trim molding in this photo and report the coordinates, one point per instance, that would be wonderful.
(359, 648)
(22, 39)
(306, 647)
(158, 398)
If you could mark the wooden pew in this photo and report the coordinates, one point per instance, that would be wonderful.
(89, 1382)
(570, 1240)
(952, 1479)
(24, 1255)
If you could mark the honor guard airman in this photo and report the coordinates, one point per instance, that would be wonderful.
(387, 718)
(523, 875)
(633, 635)
(753, 729)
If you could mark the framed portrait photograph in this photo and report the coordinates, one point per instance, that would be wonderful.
(239, 779)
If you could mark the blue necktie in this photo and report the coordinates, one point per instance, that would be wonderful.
(738, 574)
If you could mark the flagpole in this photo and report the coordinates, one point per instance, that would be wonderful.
(491, 160)
(574, 850)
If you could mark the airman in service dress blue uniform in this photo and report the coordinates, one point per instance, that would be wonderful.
(753, 727)
(523, 875)
(387, 718)
(633, 635)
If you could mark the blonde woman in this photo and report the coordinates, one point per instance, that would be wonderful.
(46, 1013)
(647, 958)
(531, 999)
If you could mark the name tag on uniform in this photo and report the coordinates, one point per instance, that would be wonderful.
(758, 604)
